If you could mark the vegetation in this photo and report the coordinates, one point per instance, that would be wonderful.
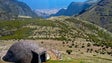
(62, 28)
(68, 51)
(79, 41)
(65, 61)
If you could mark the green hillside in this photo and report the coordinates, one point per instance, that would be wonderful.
(56, 28)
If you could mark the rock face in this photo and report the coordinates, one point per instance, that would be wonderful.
(10, 9)
(100, 14)
(25, 52)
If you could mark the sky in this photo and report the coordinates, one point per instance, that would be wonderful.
(49, 4)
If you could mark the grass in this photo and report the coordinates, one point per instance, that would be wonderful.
(65, 61)
(1, 61)
(58, 61)
(19, 34)
(69, 29)
(75, 57)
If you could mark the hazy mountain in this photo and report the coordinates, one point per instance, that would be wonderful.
(10, 9)
(100, 14)
(45, 12)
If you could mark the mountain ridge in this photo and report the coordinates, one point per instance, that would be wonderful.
(75, 8)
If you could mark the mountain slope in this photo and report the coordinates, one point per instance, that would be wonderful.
(56, 28)
(76, 8)
(10, 9)
(73, 9)
(100, 14)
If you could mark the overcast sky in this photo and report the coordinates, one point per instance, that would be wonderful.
(49, 4)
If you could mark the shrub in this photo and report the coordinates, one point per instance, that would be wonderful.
(76, 46)
(96, 51)
(83, 46)
(88, 44)
(68, 51)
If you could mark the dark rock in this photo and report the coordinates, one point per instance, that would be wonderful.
(25, 52)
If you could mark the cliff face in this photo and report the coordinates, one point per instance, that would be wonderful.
(10, 9)
(100, 14)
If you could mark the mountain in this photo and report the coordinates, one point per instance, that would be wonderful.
(10, 9)
(44, 13)
(100, 14)
(75, 8)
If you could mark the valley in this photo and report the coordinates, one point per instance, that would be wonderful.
(79, 33)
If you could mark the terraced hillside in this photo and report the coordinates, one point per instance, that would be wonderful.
(56, 28)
